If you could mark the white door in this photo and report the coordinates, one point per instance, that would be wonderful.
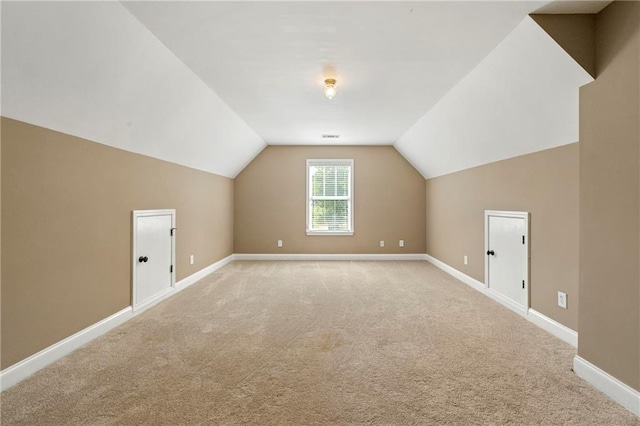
(153, 274)
(507, 257)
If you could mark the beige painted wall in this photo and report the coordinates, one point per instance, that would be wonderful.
(609, 198)
(270, 202)
(66, 241)
(546, 185)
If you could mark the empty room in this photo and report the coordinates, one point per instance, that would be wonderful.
(320, 212)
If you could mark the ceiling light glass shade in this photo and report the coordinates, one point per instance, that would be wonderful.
(330, 88)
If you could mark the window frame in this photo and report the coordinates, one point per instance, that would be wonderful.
(309, 199)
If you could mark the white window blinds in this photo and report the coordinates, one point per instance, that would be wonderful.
(330, 196)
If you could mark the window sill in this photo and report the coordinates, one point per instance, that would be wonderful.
(331, 233)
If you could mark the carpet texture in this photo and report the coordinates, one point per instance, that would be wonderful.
(306, 343)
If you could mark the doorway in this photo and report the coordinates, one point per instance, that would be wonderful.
(153, 256)
(507, 257)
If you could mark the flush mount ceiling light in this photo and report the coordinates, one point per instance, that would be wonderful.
(330, 88)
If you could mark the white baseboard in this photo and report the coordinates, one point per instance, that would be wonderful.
(25, 368)
(293, 256)
(607, 384)
(560, 331)
(159, 297)
(471, 282)
(477, 285)
(186, 282)
(506, 302)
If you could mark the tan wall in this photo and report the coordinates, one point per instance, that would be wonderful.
(609, 198)
(546, 185)
(66, 241)
(270, 202)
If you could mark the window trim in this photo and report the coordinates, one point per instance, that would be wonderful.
(326, 162)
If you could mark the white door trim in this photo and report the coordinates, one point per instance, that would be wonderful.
(145, 213)
(517, 215)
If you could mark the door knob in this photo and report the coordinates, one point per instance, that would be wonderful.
(143, 259)
(491, 253)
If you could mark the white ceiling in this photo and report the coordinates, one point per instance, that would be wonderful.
(393, 60)
(205, 84)
(574, 6)
(90, 69)
(521, 98)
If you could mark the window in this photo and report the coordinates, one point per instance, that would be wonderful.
(329, 197)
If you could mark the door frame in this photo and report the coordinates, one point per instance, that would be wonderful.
(135, 214)
(505, 300)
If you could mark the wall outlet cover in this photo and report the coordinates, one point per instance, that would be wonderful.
(401, 243)
(562, 300)
(191, 260)
(381, 243)
(279, 243)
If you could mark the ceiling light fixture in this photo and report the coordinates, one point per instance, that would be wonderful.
(330, 88)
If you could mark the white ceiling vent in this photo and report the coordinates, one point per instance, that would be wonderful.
(326, 136)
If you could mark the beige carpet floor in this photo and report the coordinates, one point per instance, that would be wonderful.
(302, 343)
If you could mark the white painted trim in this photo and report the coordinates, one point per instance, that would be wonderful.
(25, 368)
(560, 331)
(522, 309)
(621, 393)
(505, 301)
(135, 214)
(157, 298)
(350, 198)
(186, 282)
(28, 366)
(471, 282)
(477, 285)
(331, 233)
(278, 256)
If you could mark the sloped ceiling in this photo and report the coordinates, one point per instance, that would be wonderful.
(90, 69)
(522, 98)
(392, 60)
(207, 84)
(575, 33)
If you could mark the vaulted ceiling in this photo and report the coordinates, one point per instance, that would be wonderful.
(392, 60)
(208, 84)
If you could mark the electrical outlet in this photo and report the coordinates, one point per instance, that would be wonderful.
(401, 243)
(191, 260)
(466, 260)
(381, 243)
(562, 300)
(279, 243)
